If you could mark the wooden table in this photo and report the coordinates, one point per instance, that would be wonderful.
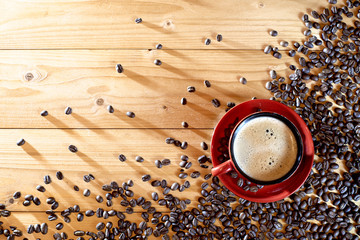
(56, 54)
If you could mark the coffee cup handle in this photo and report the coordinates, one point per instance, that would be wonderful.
(225, 167)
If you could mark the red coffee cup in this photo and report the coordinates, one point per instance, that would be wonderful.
(232, 163)
(220, 152)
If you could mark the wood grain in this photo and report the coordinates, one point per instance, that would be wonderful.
(46, 151)
(79, 78)
(177, 24)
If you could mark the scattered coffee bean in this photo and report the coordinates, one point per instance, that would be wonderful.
(119, 68)
(219, 37)
(191, 89)
(59, 175)
(185, 124)
(207, 41)
(130, 114)
(139, 159)
(86, 192)
(157, 62)
(284, 43)
(207, 83)
(159, 46)
(273, 33)
(204, 146)
(68, 110)
(86, 178)
(122, 158)
(72, 148)
(216, 102)
(243, 80)
(166, 162)
(17, 195)
(110, 109)
(268, 49)
(184, 145)
(138, 20)
(47, 179)
(40, 188)
(183, 101)
(44, 113)
(20, 142)
(146, 178)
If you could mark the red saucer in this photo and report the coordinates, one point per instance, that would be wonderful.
(269, 193)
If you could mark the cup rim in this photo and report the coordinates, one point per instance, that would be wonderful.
(292, 127)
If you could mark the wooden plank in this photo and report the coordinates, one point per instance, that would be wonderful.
(177, 24)
(87, 81)
(46, 151)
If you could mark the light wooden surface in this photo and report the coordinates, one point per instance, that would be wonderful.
(177, 24)
(71, 49)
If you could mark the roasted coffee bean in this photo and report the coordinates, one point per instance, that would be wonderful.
(40, 188)
(68, 110)
(284, 43)
(89, 213)
(86, 178)
(273, 74)
(30, 229)
(59, 175)
(44, 228)
(17, 195)
(72, 148)
(188, 165)
(184, 145)
(155, 196)
(130, 114)
(191, 89)
(207, 83)
(219, 37)
(268, 49)
(158, 164)
(76, 188)
(204, 146)
(79, 233)
(139, 159)
(36, 201)
(110, 109)
(159, 46)
(20, 142)
(184, 124)
(54, 205)
(99, 199)
(86, 192)
(215, 102)
(243, 80)
(122, 158)
(195, 174)
(273, 33)
(138, 20)
(47, 179)
(183, 101)
(119, 68)
(146, 178)
(207, 41)
(157, 62)
(166, 162)
(44, 113)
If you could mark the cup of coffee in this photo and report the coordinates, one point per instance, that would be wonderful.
(265, 148)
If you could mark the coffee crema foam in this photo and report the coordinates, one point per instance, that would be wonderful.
(265, 148)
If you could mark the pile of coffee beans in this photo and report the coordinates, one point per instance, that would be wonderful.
(323, 90)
